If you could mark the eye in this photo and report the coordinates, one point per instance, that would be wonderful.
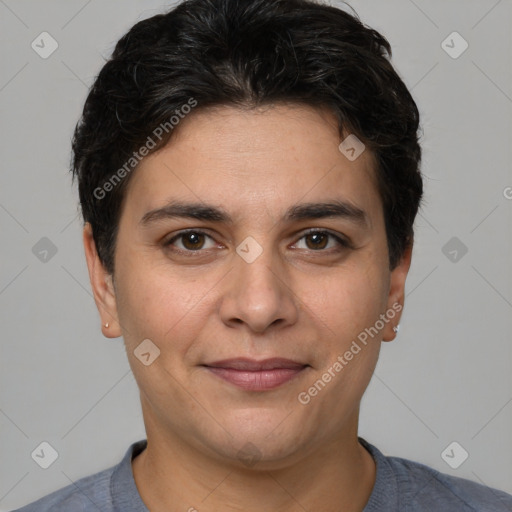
(191, 241)
(317, 240)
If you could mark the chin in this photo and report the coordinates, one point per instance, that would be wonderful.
(261, 440)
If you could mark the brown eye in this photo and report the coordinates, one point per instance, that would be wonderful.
(192, 240)
(322, 241)
(318, 240)
(189, 241)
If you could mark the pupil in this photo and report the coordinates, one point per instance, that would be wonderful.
(316, 237)
(192, 240)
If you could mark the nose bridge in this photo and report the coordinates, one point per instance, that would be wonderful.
(258, 295)
(256, 268)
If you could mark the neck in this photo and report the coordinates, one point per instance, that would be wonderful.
(170, 474)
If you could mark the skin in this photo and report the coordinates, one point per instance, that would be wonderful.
(297, 300)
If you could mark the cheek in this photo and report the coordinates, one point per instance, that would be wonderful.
(347, 301)
(348, 305)
(170, 313)
(153, 303)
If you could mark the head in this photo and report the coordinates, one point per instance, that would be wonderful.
(224, 118)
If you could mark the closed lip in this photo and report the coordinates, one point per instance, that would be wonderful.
(252, 365)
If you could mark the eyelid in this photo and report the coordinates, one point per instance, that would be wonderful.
(343, 241)
(183, 232)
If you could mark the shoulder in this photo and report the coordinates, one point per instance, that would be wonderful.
(90, 493)
(421, 488)
(408, 486)
(110, 490)
(430, 488)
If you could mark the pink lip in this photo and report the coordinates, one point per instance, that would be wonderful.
(254, 375)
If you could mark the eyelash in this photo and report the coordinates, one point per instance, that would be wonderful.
(343, 243)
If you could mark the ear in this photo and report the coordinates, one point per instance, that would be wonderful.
(102, 287)
(397, 293)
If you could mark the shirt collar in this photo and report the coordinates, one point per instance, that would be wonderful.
(124, 492)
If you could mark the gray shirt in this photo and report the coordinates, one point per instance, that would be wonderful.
(400, 486)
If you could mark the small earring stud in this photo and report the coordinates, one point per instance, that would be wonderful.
(396, 328)
(106, 325)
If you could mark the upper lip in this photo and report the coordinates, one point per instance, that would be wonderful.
(243, 363)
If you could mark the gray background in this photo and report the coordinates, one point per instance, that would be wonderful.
(448, 375)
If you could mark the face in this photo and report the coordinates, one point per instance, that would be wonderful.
(250, 237)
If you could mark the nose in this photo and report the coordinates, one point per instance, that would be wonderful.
(258, 296)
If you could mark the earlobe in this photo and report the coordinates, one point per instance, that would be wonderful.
(396, 295)
(102, 287)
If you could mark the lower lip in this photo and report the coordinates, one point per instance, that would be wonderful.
(257, 380)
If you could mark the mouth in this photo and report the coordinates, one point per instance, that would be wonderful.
(252, 375)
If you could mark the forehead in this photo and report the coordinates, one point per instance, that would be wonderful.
(255, 161)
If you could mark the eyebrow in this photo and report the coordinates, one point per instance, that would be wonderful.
(304, 211)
